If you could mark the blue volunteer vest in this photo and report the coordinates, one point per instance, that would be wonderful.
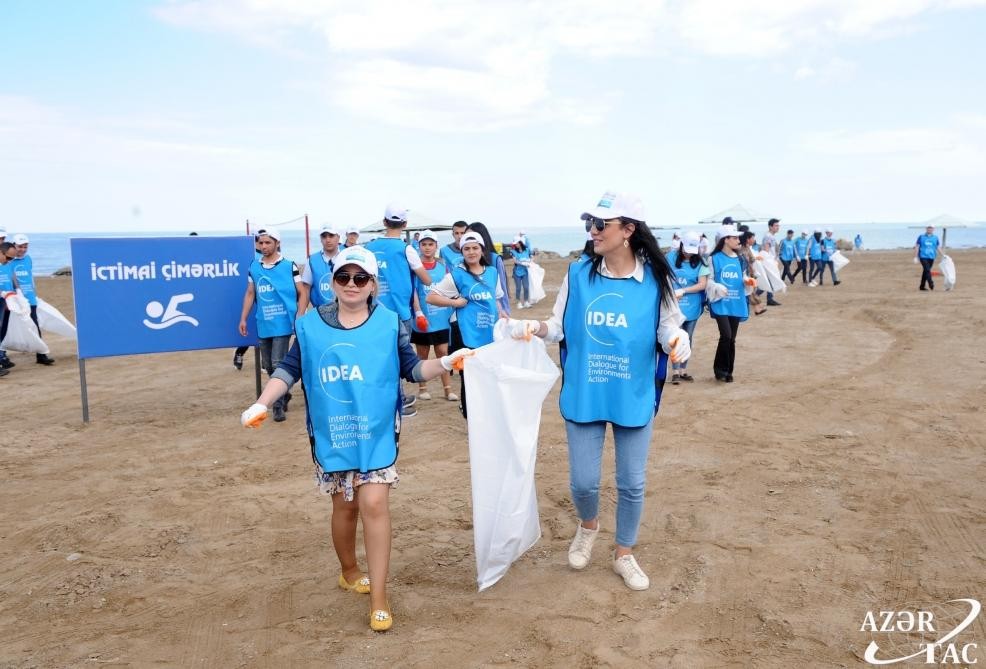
(321, 291)
(437, 316)
(927, 246)
(477, 318)
(786, 247)
(686, 276)
(815, 252)
(24, 271)
(352, 379)
(394, 278)
(729, 272)
(6, 277)
(610, 366)
(451, 257)
(800, 248)
(276, 298)
(523, 256)
(828, 248)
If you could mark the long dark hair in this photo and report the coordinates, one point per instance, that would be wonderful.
(720, 243)
(693, 261)
(643, 244)
(488, 249)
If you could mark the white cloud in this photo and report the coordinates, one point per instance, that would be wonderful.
(880, 142)
(835, 69)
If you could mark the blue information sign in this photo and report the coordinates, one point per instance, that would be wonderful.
(150, 295)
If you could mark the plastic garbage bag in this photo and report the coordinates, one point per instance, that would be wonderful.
(506, 383)
(51, 320)
(838, 261)
(768, 275)
(947, 268)
(715, 291)
(535, 277)
(22, 333)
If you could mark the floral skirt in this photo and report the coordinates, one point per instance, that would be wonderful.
(332, 483)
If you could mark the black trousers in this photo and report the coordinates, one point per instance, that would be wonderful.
(802, 269)
(926, 264)
(722, 366)
(817, 269)
(786, 274)
(454, 344)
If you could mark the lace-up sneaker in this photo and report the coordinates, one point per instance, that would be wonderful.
(632, 574)
(581, 549)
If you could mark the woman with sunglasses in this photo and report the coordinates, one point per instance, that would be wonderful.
(473, 289)
(351, 355)
(733, 309)
(615, 315)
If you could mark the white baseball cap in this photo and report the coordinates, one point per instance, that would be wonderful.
(352, 231)
(329, 229)
(395, 214)
(689, 243)
(617, 205)
(828, 230)
(726, 231)
(428, 234)
(471, 237)
(355, 255)
(20, 239)
(273, 234)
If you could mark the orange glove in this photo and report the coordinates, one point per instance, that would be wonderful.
(421, 321)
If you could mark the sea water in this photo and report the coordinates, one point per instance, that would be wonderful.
(50, 251)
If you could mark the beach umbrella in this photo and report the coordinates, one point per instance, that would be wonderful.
(739, 214)
(416, 222)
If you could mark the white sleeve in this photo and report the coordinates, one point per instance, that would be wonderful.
(499, 290)
(446, 287)
(671, 320)
(413, 259)
(556, 329)
(306, 274)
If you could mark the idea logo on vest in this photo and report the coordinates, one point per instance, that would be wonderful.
(603, 315)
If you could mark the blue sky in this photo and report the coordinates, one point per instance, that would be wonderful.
(183, 115)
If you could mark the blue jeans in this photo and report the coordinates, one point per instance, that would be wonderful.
(272, 351)
(689, 327)
(522, 286)
(585, 457)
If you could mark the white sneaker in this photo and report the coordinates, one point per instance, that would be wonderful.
(424, 395)
(812, 283)
(632, 574)
(581, 549)
(520, 305)
(527, 305)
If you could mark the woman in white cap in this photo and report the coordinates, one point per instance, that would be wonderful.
(353, 409)
(430, 329)
(473, 289)
(732, 309)
(522, 260)
(691, 274)
(615, 315)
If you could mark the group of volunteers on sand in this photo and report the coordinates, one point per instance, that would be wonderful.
(17, 273)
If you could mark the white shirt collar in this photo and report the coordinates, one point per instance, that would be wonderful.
(637, 274)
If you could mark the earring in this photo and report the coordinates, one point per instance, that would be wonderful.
(626, 244)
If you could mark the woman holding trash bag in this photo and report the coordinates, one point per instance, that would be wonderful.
(690, 277)
(613, 314)
(351, 354)
(473, 289)
(733, 309)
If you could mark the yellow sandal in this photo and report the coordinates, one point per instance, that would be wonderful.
(360, 585)
(380, 620)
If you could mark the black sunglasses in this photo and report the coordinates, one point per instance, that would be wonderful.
(360, 278)
(599, 223)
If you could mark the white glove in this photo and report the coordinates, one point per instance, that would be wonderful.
(253, 416)
(681, 348)
(455, 360)
(678, 294)
(522, 329)
(915, 260)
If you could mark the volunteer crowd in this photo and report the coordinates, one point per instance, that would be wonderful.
(17, 273)
(359, 318)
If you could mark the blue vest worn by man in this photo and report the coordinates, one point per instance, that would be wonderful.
(276, 298)
(686, 276)
(438, 317)
(7, 277)
(451, 257)
(24, 271)
(394, 280)
(321, 292)
(352, 380)
(786, 247)
(613, 367)
(729, 272)
(927, 246)
(477, 318)
(800, 247)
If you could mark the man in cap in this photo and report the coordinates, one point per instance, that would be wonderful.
(396, 262)
(828, 248)
(451, 253)
(352, 237)
(24, 270)
(925, 251)
(316, 278)
(273, 284)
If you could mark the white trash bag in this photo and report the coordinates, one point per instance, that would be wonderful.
(51, 320)
(947, 268)
(838, 261)
(715, 291)
(535, 277)
(22, 333)
(506, 383)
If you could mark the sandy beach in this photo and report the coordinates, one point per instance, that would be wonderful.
(840, 473)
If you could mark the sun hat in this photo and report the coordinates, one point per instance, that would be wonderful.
(428, 234)
(471, 237)
(20, 239)
(395, 214)
(329, 229)
(689, 243)
(355, 255)
(617, 205)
